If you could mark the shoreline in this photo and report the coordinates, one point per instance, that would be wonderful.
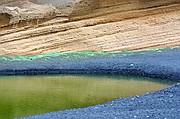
(160, 104)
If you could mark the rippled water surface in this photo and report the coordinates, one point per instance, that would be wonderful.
(22, 96)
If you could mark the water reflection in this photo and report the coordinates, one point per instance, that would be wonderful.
(22, 96)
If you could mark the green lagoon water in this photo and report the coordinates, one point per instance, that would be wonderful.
(22, 96)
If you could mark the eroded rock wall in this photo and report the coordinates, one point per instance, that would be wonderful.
(102, 7)
(44, 26)
(30, 10)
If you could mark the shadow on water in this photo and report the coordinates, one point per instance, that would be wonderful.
(22, 96)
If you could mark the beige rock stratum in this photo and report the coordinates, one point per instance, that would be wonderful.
(32, 27)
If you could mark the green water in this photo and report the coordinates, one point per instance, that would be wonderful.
(22, 96)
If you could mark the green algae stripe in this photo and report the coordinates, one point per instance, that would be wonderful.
(77, 55)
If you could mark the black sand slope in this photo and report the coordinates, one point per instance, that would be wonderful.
(165, 65)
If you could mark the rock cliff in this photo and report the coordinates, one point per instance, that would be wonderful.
(31, 27)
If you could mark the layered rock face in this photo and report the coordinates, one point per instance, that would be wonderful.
(32, 27)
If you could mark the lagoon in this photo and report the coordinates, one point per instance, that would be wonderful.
(22, 96)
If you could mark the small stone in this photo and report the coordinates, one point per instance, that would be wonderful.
(131, 65)
(147, 116)
(171, 96)
(135, 116)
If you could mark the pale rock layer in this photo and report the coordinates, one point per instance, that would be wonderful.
(44, 26)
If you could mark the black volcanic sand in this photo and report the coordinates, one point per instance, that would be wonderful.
(162, 104)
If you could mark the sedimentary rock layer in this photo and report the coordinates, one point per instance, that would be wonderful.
(87, 25)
